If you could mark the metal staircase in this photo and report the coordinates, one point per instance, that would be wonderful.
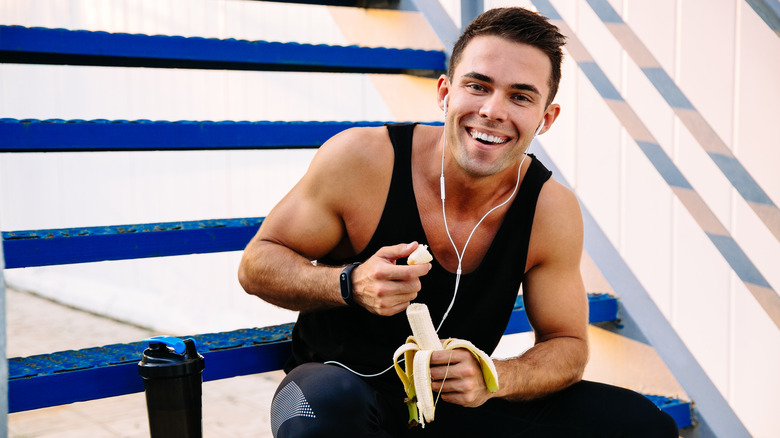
(108, 371)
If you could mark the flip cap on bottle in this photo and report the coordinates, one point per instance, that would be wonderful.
(168, 356)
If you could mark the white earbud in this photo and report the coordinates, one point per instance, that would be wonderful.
(444, 105)
(539, 129)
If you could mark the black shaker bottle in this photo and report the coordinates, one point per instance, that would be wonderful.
(171, 369)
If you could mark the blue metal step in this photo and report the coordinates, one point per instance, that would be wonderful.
(38, 45)
(601, 308)
(679, 410)
(62, 246)
(79, 375)
(56, 135)
(70, 376)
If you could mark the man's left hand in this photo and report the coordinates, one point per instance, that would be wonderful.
(458, 376)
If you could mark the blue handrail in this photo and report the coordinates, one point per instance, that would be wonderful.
(57, 135)
(38, 45)
(121, 242)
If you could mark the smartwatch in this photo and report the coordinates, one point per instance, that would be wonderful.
(346, 284)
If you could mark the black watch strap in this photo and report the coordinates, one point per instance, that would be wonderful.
(346, 284)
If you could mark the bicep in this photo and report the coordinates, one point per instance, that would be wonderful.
(302, 222)
(553, 290)
(311, 218)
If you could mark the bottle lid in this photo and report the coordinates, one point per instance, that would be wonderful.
(167, 356)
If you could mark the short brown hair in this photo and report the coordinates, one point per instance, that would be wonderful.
(519, 25)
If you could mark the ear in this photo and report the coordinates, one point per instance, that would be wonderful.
(442, 89)
(550, 115)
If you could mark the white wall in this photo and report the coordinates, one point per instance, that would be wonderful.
(725, 59)
(180, 294)
(727, 62)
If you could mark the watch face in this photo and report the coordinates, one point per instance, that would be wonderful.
(345, 292)
(346, 283)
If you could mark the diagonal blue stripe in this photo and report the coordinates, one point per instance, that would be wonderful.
(741, 179)
(664, 165)
(738, 260)
(605, 11)
(599, 80)
(668, 89)
(546, 8)
(769, 11)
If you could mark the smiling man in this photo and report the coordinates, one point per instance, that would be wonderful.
(494, 220)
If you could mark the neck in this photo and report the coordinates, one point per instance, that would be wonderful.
(477, 195)
(460, 253)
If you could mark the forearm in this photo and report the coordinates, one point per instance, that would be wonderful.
(548, 367)
(286, 279)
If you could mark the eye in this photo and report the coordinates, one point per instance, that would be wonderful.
(522, 98)
(476, 87)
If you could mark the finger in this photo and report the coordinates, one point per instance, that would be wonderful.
(450, 385)
(395, 252)
(458, 398)
(403, 273)
(392, 310)
(464, 391)
(445, 373)
(452, 357)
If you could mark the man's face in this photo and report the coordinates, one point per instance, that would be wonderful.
(496, 101)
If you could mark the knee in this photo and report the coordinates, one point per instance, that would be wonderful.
(316, 400)
(625, 413)
(651, 423)
(661, 425)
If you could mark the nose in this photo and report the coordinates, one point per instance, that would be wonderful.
(494, 108)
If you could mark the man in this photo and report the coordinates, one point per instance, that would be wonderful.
(334, 249)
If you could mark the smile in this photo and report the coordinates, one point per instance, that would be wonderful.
(487, 138)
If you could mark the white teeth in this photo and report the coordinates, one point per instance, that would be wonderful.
(485, 137)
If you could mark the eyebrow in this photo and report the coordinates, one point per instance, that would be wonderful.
(489, 80)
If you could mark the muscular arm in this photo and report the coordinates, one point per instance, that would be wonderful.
(329, 212)
(557, 308)
(555, 300)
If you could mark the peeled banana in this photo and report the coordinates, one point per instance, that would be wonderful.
(419, 256)
(417, 351)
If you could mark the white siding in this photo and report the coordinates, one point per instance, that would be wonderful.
(726, 60)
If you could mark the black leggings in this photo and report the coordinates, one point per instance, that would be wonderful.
(317, 400)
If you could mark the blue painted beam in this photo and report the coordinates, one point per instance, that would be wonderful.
(71, 376)
(601, 308)
(678, 409)
(769, 11)
(39, 45)
(373, 4)
(120, 242)
(144, 135)
(345, 3)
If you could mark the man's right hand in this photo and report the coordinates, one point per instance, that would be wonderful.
(384, 287)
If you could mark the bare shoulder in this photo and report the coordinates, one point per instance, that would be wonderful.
(354, 161)
(329, 207)
(557, 204)
(557, 232)
(356, 146)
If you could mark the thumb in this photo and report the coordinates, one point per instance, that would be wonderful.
(395, 252)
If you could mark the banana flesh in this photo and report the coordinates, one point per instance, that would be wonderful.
(416, 375)
(419, 256)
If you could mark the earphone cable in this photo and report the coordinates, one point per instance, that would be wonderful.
(459, 254)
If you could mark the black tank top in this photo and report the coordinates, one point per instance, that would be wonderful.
(365, 342)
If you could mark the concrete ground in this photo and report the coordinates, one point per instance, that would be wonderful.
(236, 407)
